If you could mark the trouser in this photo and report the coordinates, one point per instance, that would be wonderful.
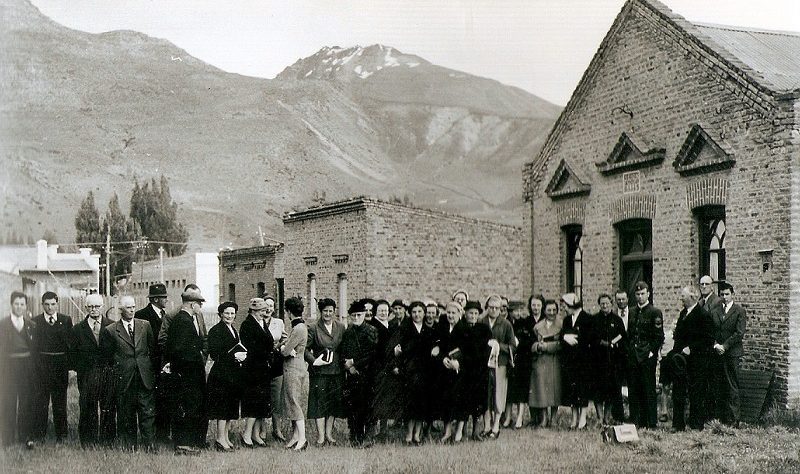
(53, 382)
(163, 402)
(680, 385)
(189, 423)
(642, 393)
(94, 396)
(726, 381)
(697, 380)
(135, 402)
(16, 402)
(358, 399)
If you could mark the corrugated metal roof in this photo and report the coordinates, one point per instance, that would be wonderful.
(773, 57)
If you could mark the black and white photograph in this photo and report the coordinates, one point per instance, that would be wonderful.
(422, 236)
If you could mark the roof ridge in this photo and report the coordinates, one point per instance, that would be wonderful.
(747, 29)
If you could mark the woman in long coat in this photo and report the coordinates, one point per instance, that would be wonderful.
(545, 392)
(577, 335)
(474, 366)
(451, 337)
(295, 370)
(386, 398)
(326, 372)
(520, 381)
(225, 377)
(609, 334)
(414, 350)
(358, 351)
(256, 338)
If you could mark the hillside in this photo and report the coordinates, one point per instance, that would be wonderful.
(82, 111)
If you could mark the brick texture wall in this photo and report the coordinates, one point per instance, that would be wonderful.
(398, 251)
(246, 268)
(653, 81)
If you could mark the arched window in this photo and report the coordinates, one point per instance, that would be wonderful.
(635, 254)
(261, 289)
(231, 292)
(342, 277)
(574, 258)
(311, 292)
(711, 233)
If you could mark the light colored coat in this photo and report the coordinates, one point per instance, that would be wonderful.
(545, 388)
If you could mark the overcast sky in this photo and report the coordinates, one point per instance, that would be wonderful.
(542, 46)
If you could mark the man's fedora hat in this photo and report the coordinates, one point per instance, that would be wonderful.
(158, 290)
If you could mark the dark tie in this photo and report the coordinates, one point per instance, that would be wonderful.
(52, 320)
(130, 330)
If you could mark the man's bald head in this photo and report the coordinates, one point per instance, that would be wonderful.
(127, 307)
(706, 285)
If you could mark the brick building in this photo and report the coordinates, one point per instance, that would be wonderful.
(677, 156)
(249, 273)
(364, 247)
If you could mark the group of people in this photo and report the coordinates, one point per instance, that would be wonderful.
(430, 368)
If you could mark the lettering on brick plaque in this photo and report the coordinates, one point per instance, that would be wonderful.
(631, 182)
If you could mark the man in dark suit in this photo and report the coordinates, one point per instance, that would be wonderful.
(184, 354)
(165, 323)
(708, 298)
(54, 337)
(154, 313)
(17, 373)
(620, 361)
(128, 345)
(94, 379)
(730, 323)
(645, 337)
(687, 362)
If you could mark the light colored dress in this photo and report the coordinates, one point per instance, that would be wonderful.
(295, 372)
(545, 389)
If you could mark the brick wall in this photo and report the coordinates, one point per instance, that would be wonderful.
(650, 79)
(396, 251)
(246, 268)
(793, 145)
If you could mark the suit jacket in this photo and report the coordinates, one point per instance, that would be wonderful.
(7, 333)
(60, 334)
(320, 339)
(259, 344)
(503, 332)
(645, 332)
(85, 348)
(358, 343)
(184, 346)
(163, 332)
(220, 343)
(694, 330)
(129, 358)
(729, 329)
(714, 302)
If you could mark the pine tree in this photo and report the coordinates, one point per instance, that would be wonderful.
(87, 223)
(155, 214)
(121, 230)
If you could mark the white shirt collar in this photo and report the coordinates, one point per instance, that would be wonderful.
(18, 321)
(691, 308)
(728, 306)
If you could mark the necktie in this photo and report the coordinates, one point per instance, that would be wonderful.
(52, 320)
(196, 326)
(96, 330)
(130, 330)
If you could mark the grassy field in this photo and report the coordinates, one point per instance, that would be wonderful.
(716, 449)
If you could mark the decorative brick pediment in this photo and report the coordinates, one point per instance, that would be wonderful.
(702, 154)
(565, 183)
(630, 153)
(707, 192)
(641, 206)
(571, 213)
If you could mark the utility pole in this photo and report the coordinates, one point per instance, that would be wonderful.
(108, 262)
(161, 262)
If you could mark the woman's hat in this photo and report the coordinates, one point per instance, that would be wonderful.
(257, 304)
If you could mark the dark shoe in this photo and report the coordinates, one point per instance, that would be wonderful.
(301, 447)
(278, 437)
(186, 451)
(260, 444)
(319, 445)
(247, 445)
(494, 434)
(332, 442)
(219, 447)
(291, 445)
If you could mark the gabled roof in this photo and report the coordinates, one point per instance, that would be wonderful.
(768, 60)
(770, 57)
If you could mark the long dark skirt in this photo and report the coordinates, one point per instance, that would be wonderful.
(474, 401)
(223, 399)
(390, 399)
(256, 400)
(325, 396)
(576, 378)
(519, 383)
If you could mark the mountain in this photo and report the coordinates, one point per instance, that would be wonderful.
(82, 112)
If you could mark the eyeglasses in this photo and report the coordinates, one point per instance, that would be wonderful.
(705, 284)
(94, 306)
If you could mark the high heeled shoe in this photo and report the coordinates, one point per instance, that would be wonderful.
(291, 445)
(278, 437)
(247, 445)
(301, 447)
(260, 443)
(220, 447)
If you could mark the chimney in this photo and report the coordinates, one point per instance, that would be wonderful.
(85, 252)
(41, 254)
